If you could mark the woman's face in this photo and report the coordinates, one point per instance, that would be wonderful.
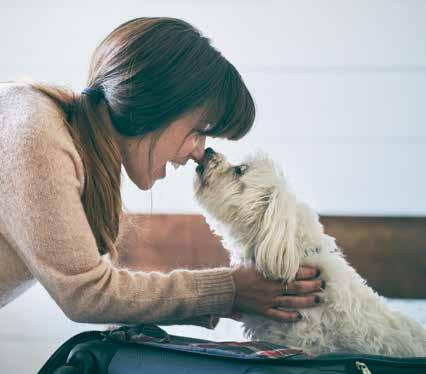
(178, 143)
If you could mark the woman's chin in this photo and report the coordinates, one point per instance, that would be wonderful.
(146, 185)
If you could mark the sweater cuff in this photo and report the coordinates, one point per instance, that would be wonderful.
(216, 291)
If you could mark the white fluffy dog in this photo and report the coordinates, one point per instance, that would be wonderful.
(260, 220)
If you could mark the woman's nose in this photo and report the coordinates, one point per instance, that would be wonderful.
(198, 153)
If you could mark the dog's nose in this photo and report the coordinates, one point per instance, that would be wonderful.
(208, 154)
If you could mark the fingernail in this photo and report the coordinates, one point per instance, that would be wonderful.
(323, 284)
(317, 300)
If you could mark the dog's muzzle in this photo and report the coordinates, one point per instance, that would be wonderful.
(208, 154)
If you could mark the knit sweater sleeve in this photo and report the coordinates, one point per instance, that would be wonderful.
(47, 225)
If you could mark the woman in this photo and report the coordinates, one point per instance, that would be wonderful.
(156, 89)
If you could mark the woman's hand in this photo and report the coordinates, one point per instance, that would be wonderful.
(257, 294)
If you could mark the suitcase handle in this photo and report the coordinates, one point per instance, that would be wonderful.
(82, 362)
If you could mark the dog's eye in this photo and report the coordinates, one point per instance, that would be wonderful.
(240, 169)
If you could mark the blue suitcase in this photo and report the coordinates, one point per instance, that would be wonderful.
(150, 349)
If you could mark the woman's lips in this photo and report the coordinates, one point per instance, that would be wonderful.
(174, 164)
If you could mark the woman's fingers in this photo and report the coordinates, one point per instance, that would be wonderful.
(307, 272)
(306, 281)
(304, 287)
(282, 315)
(257, 294)
(297, 302)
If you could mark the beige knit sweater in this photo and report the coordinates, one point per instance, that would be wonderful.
(45, 235)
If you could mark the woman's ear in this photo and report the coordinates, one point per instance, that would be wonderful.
(276, 254)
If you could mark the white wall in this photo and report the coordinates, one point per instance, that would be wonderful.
(339, 87)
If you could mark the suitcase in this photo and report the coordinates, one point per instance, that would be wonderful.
(150, 349)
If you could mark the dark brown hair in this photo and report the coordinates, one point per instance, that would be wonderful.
(150, 71)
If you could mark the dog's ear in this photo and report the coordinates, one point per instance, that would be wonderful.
(276, 253)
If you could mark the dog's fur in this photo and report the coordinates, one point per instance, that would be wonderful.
(261, 221)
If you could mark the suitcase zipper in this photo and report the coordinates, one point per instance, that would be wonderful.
(362, 367)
